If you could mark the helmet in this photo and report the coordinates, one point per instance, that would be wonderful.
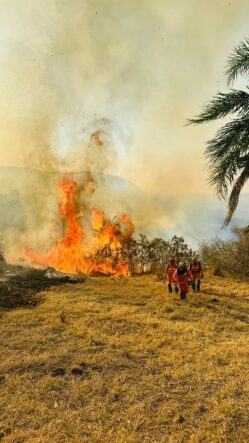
(194, 258)
(181, 264)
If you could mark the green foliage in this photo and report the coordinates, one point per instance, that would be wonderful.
(235, 193)
(238, 62)
(222, 105)
(228, 152)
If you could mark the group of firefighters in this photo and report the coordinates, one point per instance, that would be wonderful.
(181, 276)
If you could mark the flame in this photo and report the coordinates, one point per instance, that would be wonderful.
(99, 252)
(96, 138)
(98, 219)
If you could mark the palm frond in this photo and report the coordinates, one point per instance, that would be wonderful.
(233, 135)
(223, 104)
(222, 173)
(238, 62)
(234, 196)
(243, 160)
(227, 153)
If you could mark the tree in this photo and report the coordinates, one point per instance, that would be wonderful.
(143, 252)
(179, 249)
(159, 251)
(228, 151)
(130, 247)
(152, 255)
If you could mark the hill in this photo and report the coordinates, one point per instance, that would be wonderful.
(118, 360)
(193, 216)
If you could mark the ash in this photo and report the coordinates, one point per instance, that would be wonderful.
(21, 286)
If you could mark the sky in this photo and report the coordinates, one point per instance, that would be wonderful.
(135, 69)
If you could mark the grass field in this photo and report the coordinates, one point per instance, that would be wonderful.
(118, 360)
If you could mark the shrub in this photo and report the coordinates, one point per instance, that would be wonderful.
(231, 257)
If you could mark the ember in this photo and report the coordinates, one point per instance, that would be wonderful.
(98, 251)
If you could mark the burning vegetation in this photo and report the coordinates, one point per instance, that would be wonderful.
(98, 249)
(84, 239)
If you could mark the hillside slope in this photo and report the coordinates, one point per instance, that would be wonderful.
(193, 216)
(118, 360)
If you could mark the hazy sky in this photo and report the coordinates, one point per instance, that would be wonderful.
(137, 69)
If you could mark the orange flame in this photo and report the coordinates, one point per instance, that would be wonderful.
(96, 138)
(103, 253)
(98, 219)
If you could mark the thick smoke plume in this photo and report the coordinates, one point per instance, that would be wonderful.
(131, 72)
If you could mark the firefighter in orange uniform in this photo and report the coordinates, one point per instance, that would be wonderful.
(181, 277)
(169, 272)
(195, 269)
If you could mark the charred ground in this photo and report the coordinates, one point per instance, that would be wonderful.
(22, 287)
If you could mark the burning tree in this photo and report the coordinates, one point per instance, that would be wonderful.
(108, 247)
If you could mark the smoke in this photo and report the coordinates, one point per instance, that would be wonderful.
(143, 66)
(134, 71)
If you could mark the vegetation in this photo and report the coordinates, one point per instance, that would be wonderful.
(228, 151)
(231, 257)
(145, 255)
(152, 255)
(118, 360)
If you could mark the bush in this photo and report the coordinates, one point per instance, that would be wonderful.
(230, 257)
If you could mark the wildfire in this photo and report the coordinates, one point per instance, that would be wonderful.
(100, 251)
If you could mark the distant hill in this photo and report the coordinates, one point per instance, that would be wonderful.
(196, 217)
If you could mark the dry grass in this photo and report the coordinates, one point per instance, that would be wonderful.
(153, 369)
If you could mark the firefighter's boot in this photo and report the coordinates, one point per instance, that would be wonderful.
(193, 285)
(170, 288)
(198, 286)
(183, 295)
(176, 289)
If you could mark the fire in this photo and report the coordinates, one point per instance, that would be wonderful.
(96, 138)
(100, 251)
(98, 219)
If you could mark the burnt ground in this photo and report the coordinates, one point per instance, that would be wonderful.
(23, 287)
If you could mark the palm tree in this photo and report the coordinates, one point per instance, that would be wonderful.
(228, 152)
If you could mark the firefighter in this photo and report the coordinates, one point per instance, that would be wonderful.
(181, 276)
(195, 269)
(169, 272)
